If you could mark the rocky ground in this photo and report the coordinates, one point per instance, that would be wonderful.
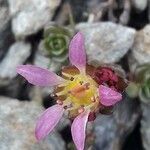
(116, 32)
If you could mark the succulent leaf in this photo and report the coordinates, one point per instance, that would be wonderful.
(142, 76)
(144, 93)
(56, 42)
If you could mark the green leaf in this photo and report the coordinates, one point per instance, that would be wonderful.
(56, 42)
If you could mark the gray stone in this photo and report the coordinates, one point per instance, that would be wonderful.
(145, 125)
(111, 131)
(17, 55)
(46, 62)
(4, 16)
(106, 42)
(140, 51)
(17, 121)
(64, 122)
(132, 63)
(6, 37)
(140, 5)
(31, 15)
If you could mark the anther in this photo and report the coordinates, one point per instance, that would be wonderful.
(93, 99)
(52, 95)
(81, 110)
(65, 107)
(86, 85)
(69, 92)
(71, 79)
(70, 105)
(59, 102)
(81, 82)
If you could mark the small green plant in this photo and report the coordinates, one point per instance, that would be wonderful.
(141, 86)
(56, 42)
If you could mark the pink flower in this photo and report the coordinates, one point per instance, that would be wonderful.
(77, 93)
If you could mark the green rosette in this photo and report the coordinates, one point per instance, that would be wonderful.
(142, 76)
(56, 42)
(144, 93)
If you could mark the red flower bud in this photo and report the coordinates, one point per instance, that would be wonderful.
(107, 76)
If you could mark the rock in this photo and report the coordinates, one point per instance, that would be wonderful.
(140, 50)
(111, 131)
(17, 55)
(4, 16)
(64, 122)
(6, 37)
(145, 125)
(17, 121)
(46, 62)
(106, 42)
(140, 5)
(31, 15)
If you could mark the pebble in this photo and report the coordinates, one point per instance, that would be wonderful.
(29, 16)
(112, 130)
(140, 53)
(17, 121)
(17, 55)
(106, 42)
(5, 29)
(140, 5)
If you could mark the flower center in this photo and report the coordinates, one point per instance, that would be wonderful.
(81, 90)
(78, 93)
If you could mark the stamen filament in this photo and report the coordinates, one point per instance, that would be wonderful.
(66, 75)
(61, 93)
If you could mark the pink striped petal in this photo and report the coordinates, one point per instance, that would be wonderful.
(77, 54)
(39, 76)
(78, 130)
(108, 97)
(48, 120)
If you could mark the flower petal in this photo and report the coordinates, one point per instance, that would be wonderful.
(108, 97)
(77, 54)
(78, 130)
(39, 76)
(48, 120)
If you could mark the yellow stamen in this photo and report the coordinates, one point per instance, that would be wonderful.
(81, 110)
(81, 93)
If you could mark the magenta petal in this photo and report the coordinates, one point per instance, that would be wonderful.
(108, 97)
(77, 54)
(78, 130)
(48, 120)
(39, 76)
